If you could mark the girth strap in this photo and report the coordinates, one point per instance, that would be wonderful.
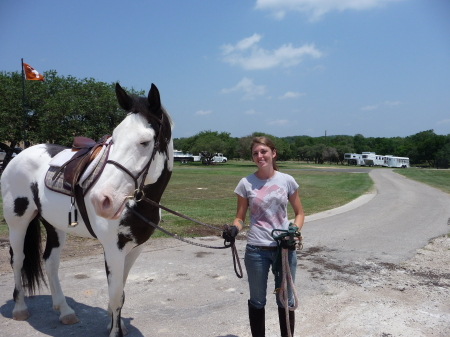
(79, 198)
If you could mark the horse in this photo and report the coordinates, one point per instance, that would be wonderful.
(140, 149)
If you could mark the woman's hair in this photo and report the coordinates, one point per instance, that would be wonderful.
(267, 142)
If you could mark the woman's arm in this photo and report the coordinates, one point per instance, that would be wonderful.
(296, 204)
(242, 205)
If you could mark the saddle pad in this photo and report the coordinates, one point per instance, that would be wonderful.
(61, 158)
(61, 186)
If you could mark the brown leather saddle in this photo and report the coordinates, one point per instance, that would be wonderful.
(86, 151)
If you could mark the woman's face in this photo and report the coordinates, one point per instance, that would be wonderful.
(262, 155)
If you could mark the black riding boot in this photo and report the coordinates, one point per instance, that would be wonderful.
(282, 318)
(257, 321)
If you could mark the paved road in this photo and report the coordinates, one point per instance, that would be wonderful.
(402, 217)
(176, 289)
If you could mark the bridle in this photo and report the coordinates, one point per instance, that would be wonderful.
(139, 190)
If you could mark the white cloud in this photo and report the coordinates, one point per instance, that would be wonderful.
(391, 104)
(388, 104)
(370, 107)
(315, 9)
(246, 85)
(242, 45)
(279, 122)
(291, 94)
(203, 112)
(444, 121)
(250, 56)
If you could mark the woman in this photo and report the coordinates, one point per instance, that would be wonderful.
(266, 193)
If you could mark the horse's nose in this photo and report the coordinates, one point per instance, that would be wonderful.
(106, 204)
(103, 204)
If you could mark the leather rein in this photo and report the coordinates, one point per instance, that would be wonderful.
(139, 196)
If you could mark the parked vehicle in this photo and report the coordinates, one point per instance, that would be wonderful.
(219, 158)
(398, 162)
(372, 159)
(354, 158)
(182, 157)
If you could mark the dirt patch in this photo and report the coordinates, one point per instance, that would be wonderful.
(379, 299)
(350, 299)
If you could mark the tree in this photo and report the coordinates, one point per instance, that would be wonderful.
(243, 147)
(443, 155)
(360, 143)
(342, 150)
(57, 109)
(330, 154)
(306, 153)
(427, 144)
(208, 143)
(11, 115)
(317, 152)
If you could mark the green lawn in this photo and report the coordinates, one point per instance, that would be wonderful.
(436, 178)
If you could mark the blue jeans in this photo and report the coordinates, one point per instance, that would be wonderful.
(258, 263)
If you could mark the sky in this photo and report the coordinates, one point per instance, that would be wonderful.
(380, 68)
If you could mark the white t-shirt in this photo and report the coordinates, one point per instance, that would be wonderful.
(268, 201)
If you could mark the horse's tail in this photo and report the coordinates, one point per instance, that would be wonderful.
(32, 273)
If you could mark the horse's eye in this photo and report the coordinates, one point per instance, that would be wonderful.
(145, 143)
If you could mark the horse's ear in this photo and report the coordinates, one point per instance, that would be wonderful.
(153, 99)
(123, 98)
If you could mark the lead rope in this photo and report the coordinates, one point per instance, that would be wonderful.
(234, 252)
(284, 241)
(283, 292)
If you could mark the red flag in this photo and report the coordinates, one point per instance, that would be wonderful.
(32, 74)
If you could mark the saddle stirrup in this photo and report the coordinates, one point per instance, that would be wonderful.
(75, 217)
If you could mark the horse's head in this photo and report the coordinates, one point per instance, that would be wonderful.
(141, 149)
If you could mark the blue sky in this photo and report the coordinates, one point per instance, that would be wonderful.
(380, 68)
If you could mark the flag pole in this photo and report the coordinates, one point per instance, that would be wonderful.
(23, 109)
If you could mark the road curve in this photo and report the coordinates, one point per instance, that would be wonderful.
(400, 218)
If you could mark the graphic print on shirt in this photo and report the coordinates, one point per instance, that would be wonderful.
(268, 206)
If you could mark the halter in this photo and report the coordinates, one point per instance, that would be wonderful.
(138, 190)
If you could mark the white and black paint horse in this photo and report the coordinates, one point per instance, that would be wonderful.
(27, 202)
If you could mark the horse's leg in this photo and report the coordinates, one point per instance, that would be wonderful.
(115, 270)
(129, 261)
(55, 243)
(16, 240)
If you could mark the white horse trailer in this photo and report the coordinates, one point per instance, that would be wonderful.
(368, 158)
(353, 158)
(396, 162)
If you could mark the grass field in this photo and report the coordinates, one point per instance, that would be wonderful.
(436, 178)
(207, 193)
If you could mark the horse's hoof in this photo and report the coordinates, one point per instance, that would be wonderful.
(21, 315)
(69, 319)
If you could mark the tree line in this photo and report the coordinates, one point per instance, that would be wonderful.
(63, 107)
(426, 147)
